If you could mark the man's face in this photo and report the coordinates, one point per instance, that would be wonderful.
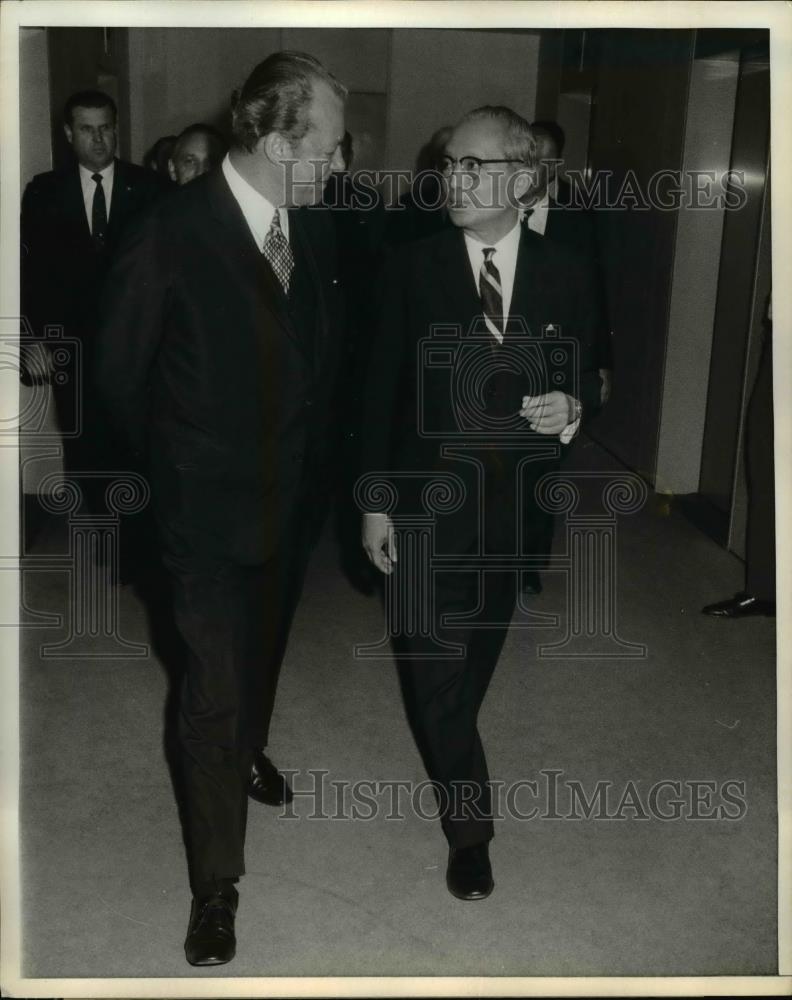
(318, 153)
(92, 136)
(476, 199)
(192, 157)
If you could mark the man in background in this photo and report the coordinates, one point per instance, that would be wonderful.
(157, 157)
(421, 211)
(72, 222)
(551, 212)
(198, 149)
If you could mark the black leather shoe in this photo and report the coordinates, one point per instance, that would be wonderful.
(742, 605)
(469, 874)
(531, 583)
(210, 935)
(266, 783)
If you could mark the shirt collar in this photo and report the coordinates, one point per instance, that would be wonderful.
(106, 173)
(257, 209)
(508, 243)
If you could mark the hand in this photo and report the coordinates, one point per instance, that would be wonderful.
(606, 377)
(548, 414)
(379, 541)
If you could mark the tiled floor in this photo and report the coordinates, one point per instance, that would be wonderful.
(104, 883)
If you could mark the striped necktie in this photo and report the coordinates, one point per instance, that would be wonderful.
(491, 295)
(278, 252)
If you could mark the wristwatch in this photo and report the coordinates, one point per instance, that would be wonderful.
(575, 409)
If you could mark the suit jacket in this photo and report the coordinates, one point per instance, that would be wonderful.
(62, 271)
(210, 373)
(421, 213)
(459, 386)
(576, 229)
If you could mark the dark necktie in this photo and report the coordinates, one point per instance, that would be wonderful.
(491, 295)
(278, 252)
(98, 212)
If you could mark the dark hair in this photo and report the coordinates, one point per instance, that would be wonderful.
(157, 157)
(88, 99)
(552, 131)
(217, 142)
(275, 98)
(431, 152)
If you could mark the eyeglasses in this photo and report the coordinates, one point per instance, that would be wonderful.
(467, 164)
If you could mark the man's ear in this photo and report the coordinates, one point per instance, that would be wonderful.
(69, 134)
(275, 147)
(525, 182)
(172, 170)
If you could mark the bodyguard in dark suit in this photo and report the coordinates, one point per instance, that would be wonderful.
(72, 221)
(502, 398)
(217, 357)
(554, 213)
(551, 212)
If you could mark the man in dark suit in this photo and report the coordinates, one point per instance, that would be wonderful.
(72, 221)
(421, 211)
(553, 213)
(487, 412)
(216, 358)
(550, 211)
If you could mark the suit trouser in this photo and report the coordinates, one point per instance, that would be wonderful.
(235, 622)
(443, 698)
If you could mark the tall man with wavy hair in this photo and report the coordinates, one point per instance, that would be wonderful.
(469, 387)
(216, 360)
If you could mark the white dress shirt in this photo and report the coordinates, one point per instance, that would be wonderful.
(257, 209)
(89, 186)
(505, 259)
(537, 220)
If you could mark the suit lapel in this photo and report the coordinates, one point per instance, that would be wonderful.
(552, 216)
(119, 202)
(461, 289)
(456, 276)
(254, 270)
(525, 290)
(74, 204)
(305, 256)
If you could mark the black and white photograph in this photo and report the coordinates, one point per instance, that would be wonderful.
(396, 474)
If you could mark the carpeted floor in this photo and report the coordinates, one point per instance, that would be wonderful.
(104, 883)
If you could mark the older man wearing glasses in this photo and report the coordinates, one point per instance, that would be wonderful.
(482, 369)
